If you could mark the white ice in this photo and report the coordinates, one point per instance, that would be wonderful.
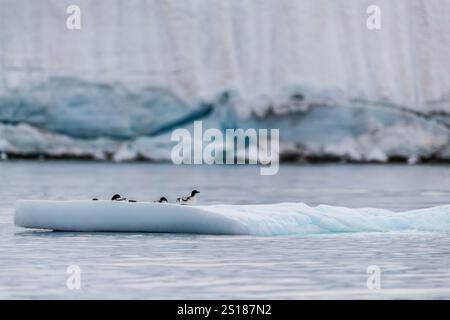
(137, 68)
(260, 220)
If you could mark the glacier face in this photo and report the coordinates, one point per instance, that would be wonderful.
(137, 69)
(82, 109)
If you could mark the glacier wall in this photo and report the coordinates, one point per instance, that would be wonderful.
(139, 68)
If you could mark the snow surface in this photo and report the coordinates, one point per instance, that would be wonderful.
(121, 216)
(260, 220)
(138, 69)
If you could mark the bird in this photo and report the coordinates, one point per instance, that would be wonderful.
(189, 199)
(162, 200)
(117, 197)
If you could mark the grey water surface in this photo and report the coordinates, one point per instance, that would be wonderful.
(33, 264)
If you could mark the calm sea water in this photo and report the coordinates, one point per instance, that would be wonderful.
(33, 264)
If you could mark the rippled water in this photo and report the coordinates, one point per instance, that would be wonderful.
(413, 265)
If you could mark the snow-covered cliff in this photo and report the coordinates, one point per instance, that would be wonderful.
(139, 68)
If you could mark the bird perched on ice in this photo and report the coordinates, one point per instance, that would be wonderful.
(190, 199)
(117, 197)
(162, 200)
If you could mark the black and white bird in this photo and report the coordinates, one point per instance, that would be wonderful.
(190, 199)
(117, 197)
(162, 200)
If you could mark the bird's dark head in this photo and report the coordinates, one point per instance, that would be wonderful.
(115, 197)
(163, 199)
(194, 192)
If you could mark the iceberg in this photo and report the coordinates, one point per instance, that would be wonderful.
(259, 220)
